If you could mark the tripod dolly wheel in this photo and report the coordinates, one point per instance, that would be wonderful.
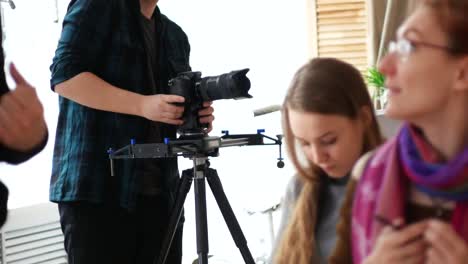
(280, 164)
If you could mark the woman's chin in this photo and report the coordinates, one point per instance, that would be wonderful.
(334, 172)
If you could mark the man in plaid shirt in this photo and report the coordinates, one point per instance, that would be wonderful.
(111, 69)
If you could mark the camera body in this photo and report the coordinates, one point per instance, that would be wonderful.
(196, 90)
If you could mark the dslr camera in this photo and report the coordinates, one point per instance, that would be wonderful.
(196, 90)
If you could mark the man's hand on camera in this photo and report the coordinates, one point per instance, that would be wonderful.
(22, 124)
(162, 108)
(206, 116)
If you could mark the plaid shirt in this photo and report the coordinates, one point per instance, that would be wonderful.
(104, 37)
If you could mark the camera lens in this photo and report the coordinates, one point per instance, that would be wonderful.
(233, 85)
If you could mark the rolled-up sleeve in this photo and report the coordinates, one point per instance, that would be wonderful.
(86, 26)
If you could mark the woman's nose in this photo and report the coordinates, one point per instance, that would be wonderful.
(387, 65)
(319, 155)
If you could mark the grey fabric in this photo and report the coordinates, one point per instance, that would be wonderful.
(330, 201)
(288, 203)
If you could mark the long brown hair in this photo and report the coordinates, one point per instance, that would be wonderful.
(325, 86)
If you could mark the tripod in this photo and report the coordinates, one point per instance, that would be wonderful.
(198, 174)
(198, 150)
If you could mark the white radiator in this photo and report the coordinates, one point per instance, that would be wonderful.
(32, 235)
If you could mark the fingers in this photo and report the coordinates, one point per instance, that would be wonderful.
(445, 242)
(172, 114)
(172, 98)
(17, 77)
(206, 111)
(166, 108)
(169, 106)
(20, 130)
(23, 104)
(415, 259)
(413, 250)
(206, 114)
(14, 113)
(400, 245)
(209, 129)
(434, 256)
(436, 236)
(24, 94)
(6, 123)
(22, 124)
(207, 119)
(207, 104)
(172, 111)
(408, 234)
(171, 120)
(11, 104)
(176, 122)
(163, 108)
(398, 222)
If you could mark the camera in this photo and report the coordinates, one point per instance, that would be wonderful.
(196, 90)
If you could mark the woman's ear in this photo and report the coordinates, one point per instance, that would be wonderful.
(365, 115)
(461, 79)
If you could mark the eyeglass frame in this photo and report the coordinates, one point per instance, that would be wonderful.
(396, 46)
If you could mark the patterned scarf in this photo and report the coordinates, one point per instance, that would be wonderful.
(383, 187)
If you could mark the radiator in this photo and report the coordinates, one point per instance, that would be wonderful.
(32, 235)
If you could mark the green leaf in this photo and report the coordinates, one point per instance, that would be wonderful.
(375, 78)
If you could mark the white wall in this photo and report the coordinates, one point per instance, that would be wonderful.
(30, 41)
(269, 37)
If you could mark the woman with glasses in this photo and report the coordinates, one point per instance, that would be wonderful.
(410, 204)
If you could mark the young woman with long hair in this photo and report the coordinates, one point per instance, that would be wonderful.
(328, 119)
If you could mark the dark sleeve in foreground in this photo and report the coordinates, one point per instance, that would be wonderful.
(15, 157)
(3, 85)
(3, 90)
(3, 203)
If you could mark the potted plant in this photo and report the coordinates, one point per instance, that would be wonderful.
(376, 80)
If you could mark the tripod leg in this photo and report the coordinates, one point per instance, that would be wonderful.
(229, 216)
(201, 220)
(184, 187)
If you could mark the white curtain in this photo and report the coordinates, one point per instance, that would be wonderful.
(384, 18)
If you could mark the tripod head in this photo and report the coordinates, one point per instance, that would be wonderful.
(194, 147)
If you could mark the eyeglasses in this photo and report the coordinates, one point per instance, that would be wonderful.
(404, 47)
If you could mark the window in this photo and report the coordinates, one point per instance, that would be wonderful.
(338, 28)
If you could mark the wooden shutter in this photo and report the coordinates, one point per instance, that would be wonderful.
(341, 30)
